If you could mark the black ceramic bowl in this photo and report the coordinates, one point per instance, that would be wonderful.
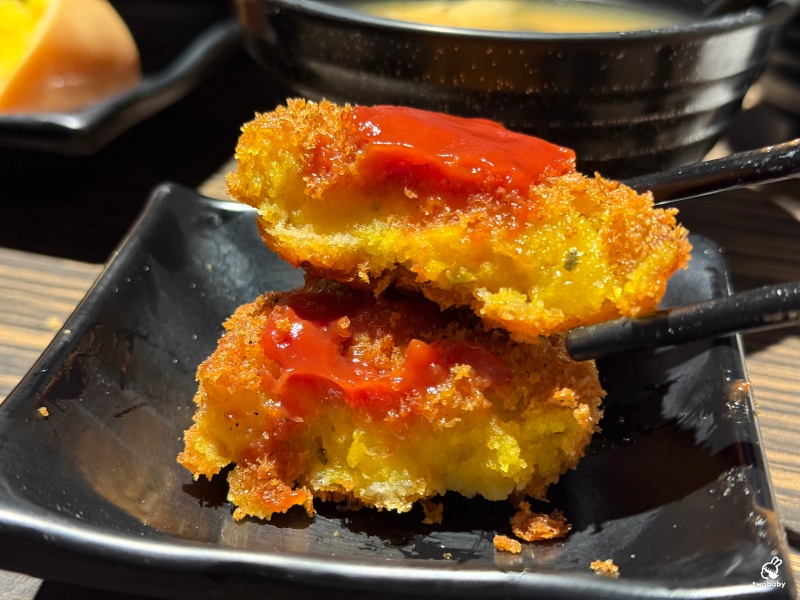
(626, 102)
(781, 81)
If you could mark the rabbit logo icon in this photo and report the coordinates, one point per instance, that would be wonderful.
(770, 571)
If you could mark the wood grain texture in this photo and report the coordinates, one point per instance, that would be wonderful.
(37, 294)
(16, 586)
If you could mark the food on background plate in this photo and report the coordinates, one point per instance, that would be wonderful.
(463, 210)
(63, 55)
(334, 393)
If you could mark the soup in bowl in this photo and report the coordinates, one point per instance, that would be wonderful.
(524, 15)
(628, 101)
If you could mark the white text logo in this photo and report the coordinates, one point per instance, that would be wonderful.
(769, 573)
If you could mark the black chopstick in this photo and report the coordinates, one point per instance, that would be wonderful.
(765, 165)
(761, 308)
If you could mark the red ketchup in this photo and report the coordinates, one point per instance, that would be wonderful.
(455, 153)
(306, 338)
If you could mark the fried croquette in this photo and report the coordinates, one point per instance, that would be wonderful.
(329, 392)
(463, 210)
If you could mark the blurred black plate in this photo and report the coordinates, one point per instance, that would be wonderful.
(675, 490)
(88, 130)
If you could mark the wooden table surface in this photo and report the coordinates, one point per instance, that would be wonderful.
(760, 231)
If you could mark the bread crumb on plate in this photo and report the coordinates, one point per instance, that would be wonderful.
(605, 568)
(503, 543)
(533, 527)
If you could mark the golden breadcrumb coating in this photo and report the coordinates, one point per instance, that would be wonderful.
(331, 393)
(532, 247)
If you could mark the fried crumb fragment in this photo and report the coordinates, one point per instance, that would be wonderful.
(42, 410)
(503, 543)
(605, 568)
(434, 512)
(531, 527)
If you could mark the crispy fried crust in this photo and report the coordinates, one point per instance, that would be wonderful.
(533, 527)
(568, 250)
(503, 543)
(501, 418)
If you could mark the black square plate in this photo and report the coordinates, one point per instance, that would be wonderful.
(675, 490)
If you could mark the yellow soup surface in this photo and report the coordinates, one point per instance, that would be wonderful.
(524, 15)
